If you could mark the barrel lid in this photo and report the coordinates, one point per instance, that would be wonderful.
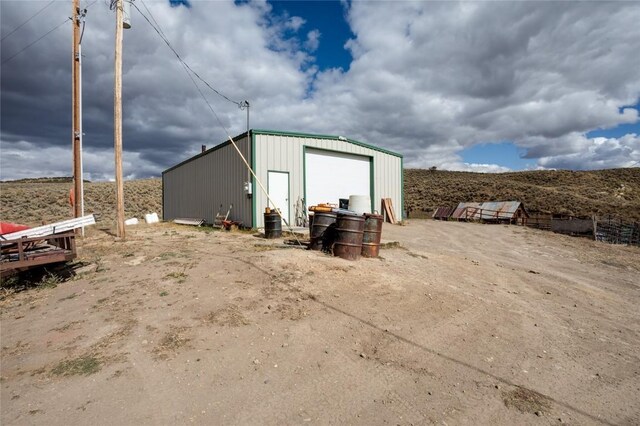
(373, 215)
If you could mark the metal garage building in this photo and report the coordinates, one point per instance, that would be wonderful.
(292, 166)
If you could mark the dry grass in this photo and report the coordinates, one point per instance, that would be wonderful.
(526, 400)
(604, 192)
(84, 365)
(613, 192)
(34, 201)
(228, 316)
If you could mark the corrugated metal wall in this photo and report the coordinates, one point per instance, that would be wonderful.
(196, 188)
(286, 154)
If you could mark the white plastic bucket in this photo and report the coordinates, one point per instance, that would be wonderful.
(360, 203)
(151, 218)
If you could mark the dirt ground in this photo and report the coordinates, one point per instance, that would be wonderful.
(459, 324)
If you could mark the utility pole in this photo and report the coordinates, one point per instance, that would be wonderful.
(117, 119)
(75, 113)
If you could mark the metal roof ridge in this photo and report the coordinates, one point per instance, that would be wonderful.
(284, 133)
(332, 137)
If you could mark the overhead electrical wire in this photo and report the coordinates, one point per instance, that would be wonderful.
(83, 15)
(42, 36)
(153, 18)
(187, 69)
(240, 104)
(35, 41)
(162, 36)
(25, 22)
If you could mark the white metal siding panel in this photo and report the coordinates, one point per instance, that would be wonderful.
(286, 153)
(197, 188)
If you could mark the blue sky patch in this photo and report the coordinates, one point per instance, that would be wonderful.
(329, 18)
(618, 131)
(178, 3)
(505, 154)
(615, 132)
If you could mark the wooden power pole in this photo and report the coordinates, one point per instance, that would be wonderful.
(75, 106)
(117, 118)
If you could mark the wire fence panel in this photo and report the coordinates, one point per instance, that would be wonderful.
(608, 230)
(615, 231)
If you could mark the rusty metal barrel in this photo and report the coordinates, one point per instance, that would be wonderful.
(272, 225)
(372, 235)
(321, 222)
(349, 234)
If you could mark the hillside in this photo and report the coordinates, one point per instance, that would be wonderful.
(613, 192)
(33, 201)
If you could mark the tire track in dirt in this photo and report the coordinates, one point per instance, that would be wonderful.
(431, 351)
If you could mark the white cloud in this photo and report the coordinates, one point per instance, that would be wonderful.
(55, 161)
(428, 79)
(596, 153)
(475, 167)
(453, 75)
(443, 158)
(313, 40)
(295, 23)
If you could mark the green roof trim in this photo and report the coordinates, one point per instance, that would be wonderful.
(254, 132)
(332, 137)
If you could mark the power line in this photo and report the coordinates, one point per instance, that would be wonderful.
(154, 19)
(34, 42)
(242, 105)
(186, 68)
(83, 16)
(91, 4)
(43, 36)
(159, 31)
(25, 22)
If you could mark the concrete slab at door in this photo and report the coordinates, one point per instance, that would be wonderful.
(278, 187)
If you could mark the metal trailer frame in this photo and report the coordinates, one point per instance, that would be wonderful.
(24, 253)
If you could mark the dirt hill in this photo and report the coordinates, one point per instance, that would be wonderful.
(613, 192)
(604, 192)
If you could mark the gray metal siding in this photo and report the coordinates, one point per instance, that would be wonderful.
(197, 188)
(286, 153)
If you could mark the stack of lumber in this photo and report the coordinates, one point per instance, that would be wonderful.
(387, 211)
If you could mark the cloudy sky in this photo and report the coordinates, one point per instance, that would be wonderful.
(485, 86)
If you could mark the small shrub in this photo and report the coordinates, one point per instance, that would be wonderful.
(180, 277)
(82, 366)
(49, 281)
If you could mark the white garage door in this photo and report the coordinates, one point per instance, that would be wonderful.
(334, 175)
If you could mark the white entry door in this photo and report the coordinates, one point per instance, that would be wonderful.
(279, 192)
